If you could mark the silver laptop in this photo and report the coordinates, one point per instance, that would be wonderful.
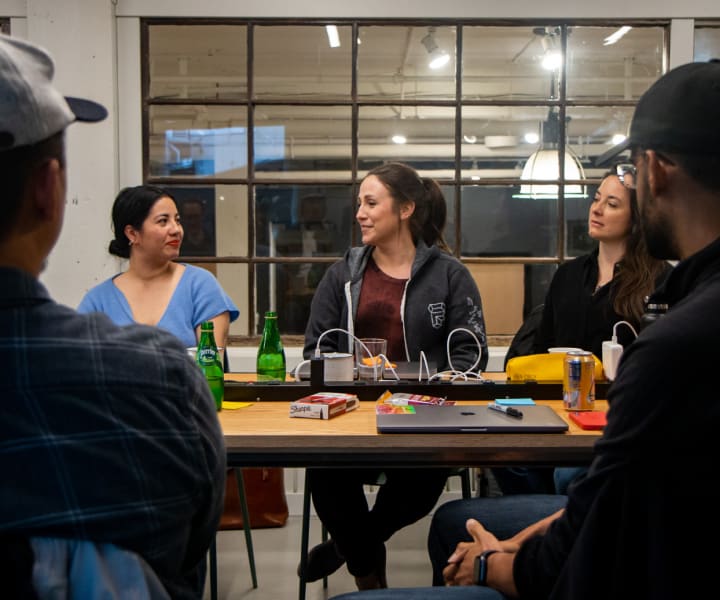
(471, 418)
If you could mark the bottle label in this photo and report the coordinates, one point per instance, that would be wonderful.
(207, 355)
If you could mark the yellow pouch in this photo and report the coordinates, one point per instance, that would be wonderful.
(543, 367)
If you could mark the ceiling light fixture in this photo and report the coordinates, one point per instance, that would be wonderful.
(544, 165)
(332, 35)
(438, 57)
(552, 57)
(615, 37)
(618, 138)
(399, 138)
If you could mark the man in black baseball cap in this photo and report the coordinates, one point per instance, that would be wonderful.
(643, 520)
(111, 453)
(678, 113)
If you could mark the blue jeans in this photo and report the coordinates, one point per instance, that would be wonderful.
(428, 593)
(503, 516)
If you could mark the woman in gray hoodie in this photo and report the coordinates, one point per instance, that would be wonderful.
(402, 285)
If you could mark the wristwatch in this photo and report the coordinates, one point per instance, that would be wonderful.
(480, 575)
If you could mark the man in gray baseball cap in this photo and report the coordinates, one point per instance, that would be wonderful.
(111, 451)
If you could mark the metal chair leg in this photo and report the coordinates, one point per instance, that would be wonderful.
(465, 482)
(213, 571)
(246, 524)
(324, 536)
(304, 538)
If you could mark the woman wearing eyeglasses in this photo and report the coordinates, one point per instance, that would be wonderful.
(590, 294)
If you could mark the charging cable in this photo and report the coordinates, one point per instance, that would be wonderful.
(453, 373)
(378, 367)
(614, 335)
(385, 363)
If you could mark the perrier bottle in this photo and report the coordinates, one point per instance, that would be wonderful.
(208, 359)
(270, 364)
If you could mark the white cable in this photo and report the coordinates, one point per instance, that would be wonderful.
(364, 347)
(614, 334)
(423, 361)
(449, 359)
(452, 373)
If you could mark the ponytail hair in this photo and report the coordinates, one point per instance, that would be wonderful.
(405, 185)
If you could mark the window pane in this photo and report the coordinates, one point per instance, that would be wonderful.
(537, 282)
(303, 220)
(495, 142)
(707, 43)
(308, 141)
(577, 210)
(234, 279)
(297, 62)
(198, 140)
(494, 223)
(397, 63)
(619, 71)
(289, 289)
(449, 231)
(198, 61)
(594, 130)
(505, 63)
(426, 136)
(213, 218)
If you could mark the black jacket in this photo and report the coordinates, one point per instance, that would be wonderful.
(644, 521)
(439, 297)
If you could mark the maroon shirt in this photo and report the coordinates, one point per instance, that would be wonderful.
(378, 312)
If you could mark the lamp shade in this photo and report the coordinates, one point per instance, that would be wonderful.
(544, 165)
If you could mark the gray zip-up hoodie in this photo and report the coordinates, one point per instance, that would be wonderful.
(439, 297)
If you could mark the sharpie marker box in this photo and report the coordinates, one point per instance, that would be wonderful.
(323, 405)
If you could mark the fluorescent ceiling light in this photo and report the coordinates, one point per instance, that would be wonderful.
(470, 139)
(399, 138)
(613, 38)
(531, 137)
(333, 37)
(618, 138)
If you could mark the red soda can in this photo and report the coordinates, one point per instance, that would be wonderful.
(579, 380)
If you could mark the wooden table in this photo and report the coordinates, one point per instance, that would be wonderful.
(263, 434)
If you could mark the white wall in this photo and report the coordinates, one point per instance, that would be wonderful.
(96, 45)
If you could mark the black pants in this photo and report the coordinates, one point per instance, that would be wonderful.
(406, 496)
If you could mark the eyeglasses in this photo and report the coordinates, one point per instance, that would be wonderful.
(627, 174)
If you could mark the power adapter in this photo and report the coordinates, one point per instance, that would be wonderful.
(611, 353)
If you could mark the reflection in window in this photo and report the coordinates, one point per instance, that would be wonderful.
(279, 125)
(707, 42)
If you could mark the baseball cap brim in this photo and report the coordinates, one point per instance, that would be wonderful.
(86, 111)
(608, 156)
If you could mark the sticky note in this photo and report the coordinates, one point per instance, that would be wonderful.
(230, 405)
(514, 401)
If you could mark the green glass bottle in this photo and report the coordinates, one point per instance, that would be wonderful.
(208, 359)
(270, 364)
